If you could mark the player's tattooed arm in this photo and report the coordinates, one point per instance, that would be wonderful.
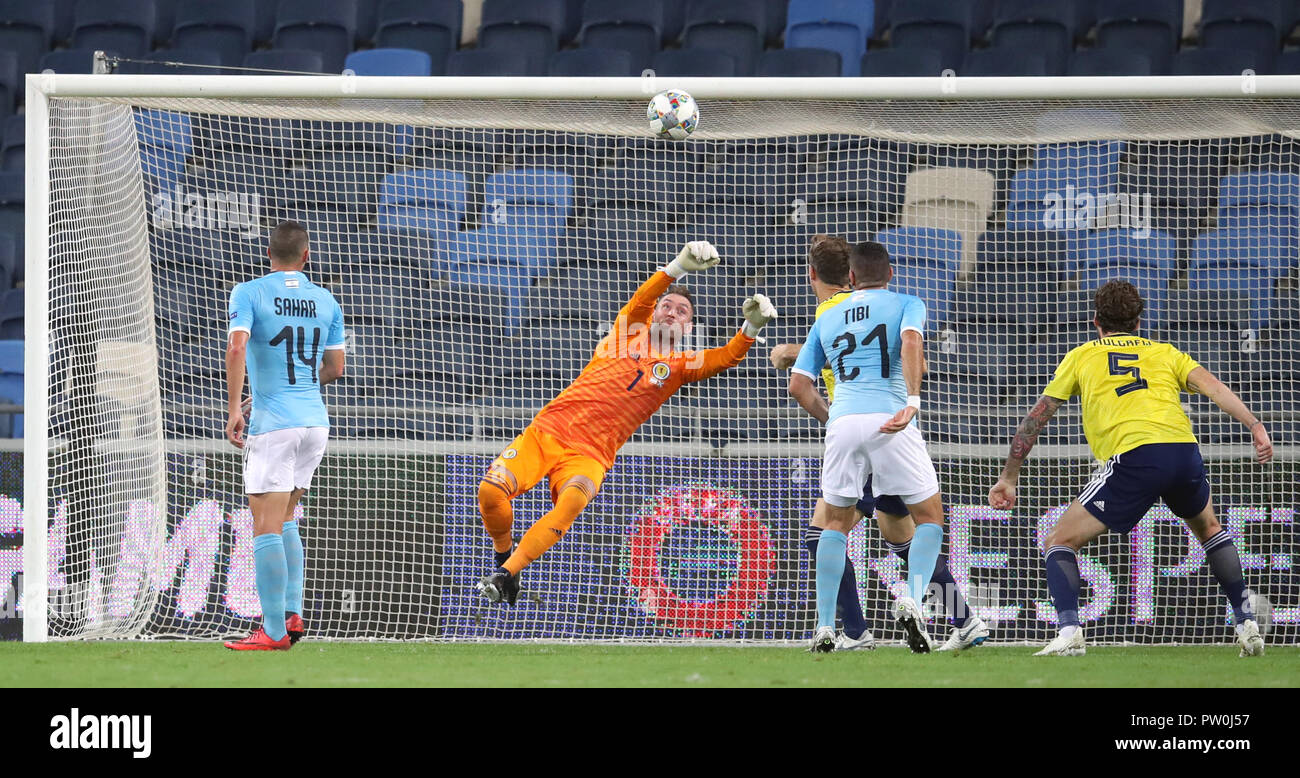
(1027, 433)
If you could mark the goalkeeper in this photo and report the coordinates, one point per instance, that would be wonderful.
(828, 274)
(574, 439)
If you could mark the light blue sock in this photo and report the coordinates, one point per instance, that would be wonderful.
(268, 559)
(293, 564)
(922, 558)
(830, 569)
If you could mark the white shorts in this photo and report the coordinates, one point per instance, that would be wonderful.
(898, 464)
(283, 460)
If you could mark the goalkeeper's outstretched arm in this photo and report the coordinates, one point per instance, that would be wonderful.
(695, 256)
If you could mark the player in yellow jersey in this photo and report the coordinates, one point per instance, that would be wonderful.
(1129, 387)
(828, 275)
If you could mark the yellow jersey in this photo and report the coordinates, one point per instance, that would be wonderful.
(828, 375)
(1129, 389)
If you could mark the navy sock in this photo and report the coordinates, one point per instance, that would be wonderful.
(959, 612)
(1063, 584)
(850, 606)
(500, 557)
(1225, 564)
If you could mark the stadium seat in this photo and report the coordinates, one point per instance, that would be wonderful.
(902, 62)
(532, 27)
(481, 62)
(942, 25)
(529, 198)
(951, 198)
(1041, 26)
(1245, 25)
(1006, 61)
(9, 260)
(693, 62)
(1215, 62)
(1254, 282)
(10, 85)
(71, 60)
(591, 62)
(1208, 325)
(649, 175)
(124, 26)
(616, 232)
(842, 26)
(286, 60)
(1251, 246)
(166, 140)
(12, 198)
(1152, 27)
(1287, 63)
(1263, 199)
(926, 261)
(1127, 247)
(794, 62)
(327, 26)
(389, 62)
(734, 27)
(11, 308)
(225, 27)
(1109, 62)
(632, 25)
(335, 178)
(27, 29)
(431, 26)
(1017, 278)
(422, 200)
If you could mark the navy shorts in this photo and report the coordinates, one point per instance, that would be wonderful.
(886, 502)
(1126, 487)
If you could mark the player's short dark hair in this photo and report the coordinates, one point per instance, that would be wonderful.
(681, 290)
(870, 263)
(288, 241)
(829, 256)
(1119, 306)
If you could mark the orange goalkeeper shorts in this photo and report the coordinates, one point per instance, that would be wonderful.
(535, 454)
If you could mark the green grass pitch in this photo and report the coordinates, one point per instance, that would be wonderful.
(313, 664)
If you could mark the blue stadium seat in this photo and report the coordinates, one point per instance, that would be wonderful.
(1208, 325)
(338, 179)
(1262, 199)
(1215, 62)
(632, 25)
(166, 140)
(290, 60)
(71, 60)
(1005, 61)
(422, 200)
(1152, 27)
(616, 232)
(124, 26)
(1253, 282)
(367, 22)
(735, 27)
(264, 21)
(902, 62)
(532, 27)
(225, 27)
(327, 26)
(27, 29)
(925, 264)
(1042, 26)
(11, 314)
(481, 62)
(843, 26)
(592, 62)
(1273, 249)
(1014, 265)
(693, 62)
(431, 26)
(942, 25)
(1287, 63)
(529, 199)
(793, 62)
(674, 17)
(389, 62)
(1109, 62)
(1126, 247)
(650, 176)
(11, 357)
(1247, 25)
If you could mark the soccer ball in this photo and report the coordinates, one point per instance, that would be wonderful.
(673, 114)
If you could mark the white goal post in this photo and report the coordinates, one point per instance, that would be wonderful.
(480, 231)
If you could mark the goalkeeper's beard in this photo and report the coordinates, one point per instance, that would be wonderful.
(664, 338)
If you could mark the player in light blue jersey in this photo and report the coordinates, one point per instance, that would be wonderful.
(288, 334)
(872, 340)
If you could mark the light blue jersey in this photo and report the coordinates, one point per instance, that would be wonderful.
(291, 324)
(862, 340)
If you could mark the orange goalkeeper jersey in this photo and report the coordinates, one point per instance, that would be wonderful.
(626, 381)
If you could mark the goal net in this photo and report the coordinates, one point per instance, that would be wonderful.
(481, 238)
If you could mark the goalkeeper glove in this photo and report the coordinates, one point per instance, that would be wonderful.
(696, 255)
(758, 312)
